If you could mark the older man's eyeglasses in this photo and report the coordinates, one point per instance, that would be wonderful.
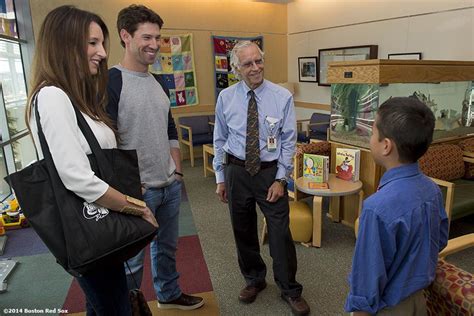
(249, 64)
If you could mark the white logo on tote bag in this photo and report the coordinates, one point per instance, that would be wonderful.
(93, 211)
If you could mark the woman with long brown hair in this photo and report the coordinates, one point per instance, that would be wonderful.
(70, 70)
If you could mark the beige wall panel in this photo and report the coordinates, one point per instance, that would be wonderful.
(201, 18)
(317, 14)
(444, 35)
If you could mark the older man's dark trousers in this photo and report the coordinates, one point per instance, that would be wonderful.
(243, 193)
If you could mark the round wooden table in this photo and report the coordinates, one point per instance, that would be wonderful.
(337, 188)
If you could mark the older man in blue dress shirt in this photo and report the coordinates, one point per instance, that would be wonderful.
(252, 165)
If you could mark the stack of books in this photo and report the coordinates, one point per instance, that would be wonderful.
(316, 169)
(347, 164)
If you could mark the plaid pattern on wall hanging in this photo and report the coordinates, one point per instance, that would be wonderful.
(175, 64)
(222, 46)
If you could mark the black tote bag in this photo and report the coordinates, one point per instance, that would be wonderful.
(80, 235)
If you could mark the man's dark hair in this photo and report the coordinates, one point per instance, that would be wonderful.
(130, 17)
(409, 123)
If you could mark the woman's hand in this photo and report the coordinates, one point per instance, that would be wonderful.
(149, 217)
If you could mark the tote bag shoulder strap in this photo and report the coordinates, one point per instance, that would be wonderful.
(42, 139)
(102, 161)
(104, 167)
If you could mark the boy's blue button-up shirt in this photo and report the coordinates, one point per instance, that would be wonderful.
(402, 228)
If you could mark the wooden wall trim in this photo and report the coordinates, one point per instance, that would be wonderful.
(315, 106)
(189, 110)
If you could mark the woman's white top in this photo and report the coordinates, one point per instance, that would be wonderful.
(68, 145)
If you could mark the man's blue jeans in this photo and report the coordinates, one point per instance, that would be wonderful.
(164, 203)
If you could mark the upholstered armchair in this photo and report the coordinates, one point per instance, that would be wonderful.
(467, 146)
(317, 128)
(445, 164)
(452, 292)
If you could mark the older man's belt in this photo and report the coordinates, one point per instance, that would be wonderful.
(239, 162)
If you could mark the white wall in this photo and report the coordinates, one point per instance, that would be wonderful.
(442, 29)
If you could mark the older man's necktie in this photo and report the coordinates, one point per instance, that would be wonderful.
(252, 146)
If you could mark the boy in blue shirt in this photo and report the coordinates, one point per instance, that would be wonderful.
(403, 226)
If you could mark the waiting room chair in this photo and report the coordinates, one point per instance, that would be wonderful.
(194, 131)
(452, 291)
(445, 164)
(317, 128)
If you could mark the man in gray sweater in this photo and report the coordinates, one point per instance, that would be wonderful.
(139, 105)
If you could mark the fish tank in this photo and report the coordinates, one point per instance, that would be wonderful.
(354, 105)
(353, 108)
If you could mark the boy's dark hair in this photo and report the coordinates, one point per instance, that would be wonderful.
(130, 17)
(409, 123)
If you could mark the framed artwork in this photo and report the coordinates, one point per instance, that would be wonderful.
(308, 69)
(405, 56)
(328, 55)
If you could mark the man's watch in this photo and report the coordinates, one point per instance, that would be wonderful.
(282, 181)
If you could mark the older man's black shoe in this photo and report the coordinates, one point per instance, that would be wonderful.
(249, 293)
(298, 305)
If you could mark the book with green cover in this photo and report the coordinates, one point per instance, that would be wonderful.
(316, 167)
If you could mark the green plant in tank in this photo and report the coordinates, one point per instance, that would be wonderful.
(354, 105)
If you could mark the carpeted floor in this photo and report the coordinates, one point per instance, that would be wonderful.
(207, 262)
(322, 271)
(39, 283)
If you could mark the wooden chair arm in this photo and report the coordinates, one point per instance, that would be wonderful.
(443, 183)
(299, 125)
(468, 153)
(449, 195)
(314, 140)
(468, 159)
(304, 120)
(190, 133)
(457, 244)
(189, 128)
(211, 126)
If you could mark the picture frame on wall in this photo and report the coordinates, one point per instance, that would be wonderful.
(327, 55)
(405, 56)
(308, 69)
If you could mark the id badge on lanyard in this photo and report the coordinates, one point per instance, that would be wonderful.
(271, 125)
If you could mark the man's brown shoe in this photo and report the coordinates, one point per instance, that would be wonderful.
(298, 305)
(249, 293)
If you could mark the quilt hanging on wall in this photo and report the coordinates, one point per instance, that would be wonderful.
(175, 64)
(222, 71)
